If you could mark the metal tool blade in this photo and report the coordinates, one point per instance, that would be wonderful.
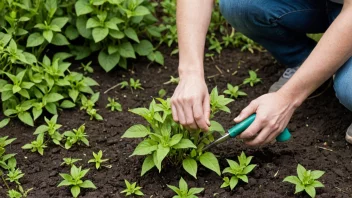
(216, 142)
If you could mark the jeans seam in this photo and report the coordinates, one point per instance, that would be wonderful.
(304, 10)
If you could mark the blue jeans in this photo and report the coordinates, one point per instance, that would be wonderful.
(281, 27)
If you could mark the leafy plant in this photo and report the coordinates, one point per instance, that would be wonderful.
(135, 84)
(69, 161)
(75, 180)
(98, 159)
(87, 68)
(306, 180)
(183, 192)
(164, 138)
(88, 105)
(234, 91)
(113, 105)
(253, 78)
(132, 189)
(37, 145)
(238, 171)
(172, 80)
(76, 136)
(51, 127)
(21, 193)
(14, 174)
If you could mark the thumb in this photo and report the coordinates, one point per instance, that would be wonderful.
(206, 109)
(246, 112)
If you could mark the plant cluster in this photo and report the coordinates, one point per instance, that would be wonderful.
(134, 84)
(235, 92)
(164, 138)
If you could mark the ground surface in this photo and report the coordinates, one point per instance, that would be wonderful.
(318, 120)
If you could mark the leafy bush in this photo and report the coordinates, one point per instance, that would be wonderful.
(164, 138)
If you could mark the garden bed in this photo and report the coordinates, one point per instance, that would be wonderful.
(319, 123)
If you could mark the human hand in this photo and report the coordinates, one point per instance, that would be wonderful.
(274, 111)
(191, 102)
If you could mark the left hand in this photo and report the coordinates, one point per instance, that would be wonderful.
(274, 111)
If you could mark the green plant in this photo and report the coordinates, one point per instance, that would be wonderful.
(162, 93)
(98, 159)
(88, 105)
(183, 192)
(69, 161)
(76, 136)
(87, 68)
(253, 78)
(238, 171)
(14, 174)
(37, 145)
(113, 105)
(74, 179)
(172, 80)
(21, 193)
(306, 180)
(164, 138)
(234, 91)
(132, 189)
(135, 84)
(51, 127)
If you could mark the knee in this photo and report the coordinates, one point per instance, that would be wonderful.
(343, 89)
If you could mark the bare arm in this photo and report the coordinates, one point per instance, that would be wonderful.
(274, 110)
(190, 102)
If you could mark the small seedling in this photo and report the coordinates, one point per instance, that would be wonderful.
(93, 113)
(172, 80)
(87, 68)
(123, 84)
(98, 159)
(253, 78)
(306, 180)
(37, 145)
(132, 189)
(18, 194)
(234, 91)
(183, 191)
(238, 171)
(76, 136)
(69, 161)
(14, 175)
(113, 105)
(135, 84)
(74, 179)
(52, 128)
(162, 93)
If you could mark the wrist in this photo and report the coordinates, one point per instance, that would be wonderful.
(293, 98)
(194, 70)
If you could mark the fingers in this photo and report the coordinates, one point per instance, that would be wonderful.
(199, 116)
(188, 111)
(174, 112)
(261, 138)
(206, 109)
(246, 112)
(252, 130)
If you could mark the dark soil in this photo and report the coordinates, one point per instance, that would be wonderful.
(318, 121)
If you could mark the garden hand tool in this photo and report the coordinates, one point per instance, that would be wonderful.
(242, 126)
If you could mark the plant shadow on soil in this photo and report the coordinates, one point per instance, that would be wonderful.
(318, 120)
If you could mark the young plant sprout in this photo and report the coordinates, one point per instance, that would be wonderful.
(306, 180)
(93, 113)
(183, 192)
(132, 189)
(14, 175)
(253, 78)
(51, 127)
(113, 105)
(37, 145)
(162, 93)
(172, 80)
(237, 171)
(69, 161)
(88, 105)
(76, 136)
(135, 84)
(74, 179)
(98, 159)
(87, 68)
(123, 84)
(18, 194)
(234, 91)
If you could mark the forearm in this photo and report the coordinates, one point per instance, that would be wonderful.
(193, 18)
(332, 51)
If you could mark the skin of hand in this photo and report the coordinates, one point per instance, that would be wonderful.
(274, 110)
(190, 101)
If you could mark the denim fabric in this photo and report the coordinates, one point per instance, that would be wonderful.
(281, 27)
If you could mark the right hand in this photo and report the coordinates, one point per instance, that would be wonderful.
(191, 103)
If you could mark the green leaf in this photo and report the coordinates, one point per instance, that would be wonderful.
(116, 34)
(34, 40)
(48, 35)
(41, 129)
(248, 169)
(130, 33)
(83, 7)
(54, 97)
(292, 179)
(243, 178)
(51, 108)
(310, 191)
(88, 184)
(299, 188)
(108, 62)
(92, 23)
(318, 184)
(136, 131)
(147, 164)
(316, 174)
(4, 122)
(126, 50)
(159, 58)
(300, 172)
(81, 27)
(145, 147)
(190, 165)
(215, 126)
(183, 185)
(175, 139)
(184, 143)
(141, 11)
(66, 104)
(59, 21)
(59, 40)
(71, 32)
(209, 160)
(26, 118)
(100, 33)
(233, 182)
(73, 93)
(194, 191)
(144, 48)
(75, 190)
(161, 153)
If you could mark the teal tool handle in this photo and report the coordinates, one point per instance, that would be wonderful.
(242, 126)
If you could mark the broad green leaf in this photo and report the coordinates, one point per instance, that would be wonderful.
(99, 34)
(51, 108)
(126, 50)
(147, 164)
(154, 31)
(318, 184)
(209, 160)
(73, 94)
(141, 11)
(71, 32)
(54, 97)
(41, 129)
(75, 190)
(310, 190)
(183, 185)
(48, 35)
(144, 48)
(161, 153)
(59, 21)
(299, 188)
(175, 139)
(88, 184)
(300, 172)
(190, 165)
(233, 182)
(292, 179)
(184, 143)
(130, 33)
(108, 62)
(81, 27)
(116, 34)
(93, 23)
(194, 191)
(159, 58)
(83, 7)
(34, 40)
(316, 174)
(145, 147)
(248, 169)
(215, 126)
(6, 95)
(59, 40)
(243, 178)
(26, 118)
(4, 122)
